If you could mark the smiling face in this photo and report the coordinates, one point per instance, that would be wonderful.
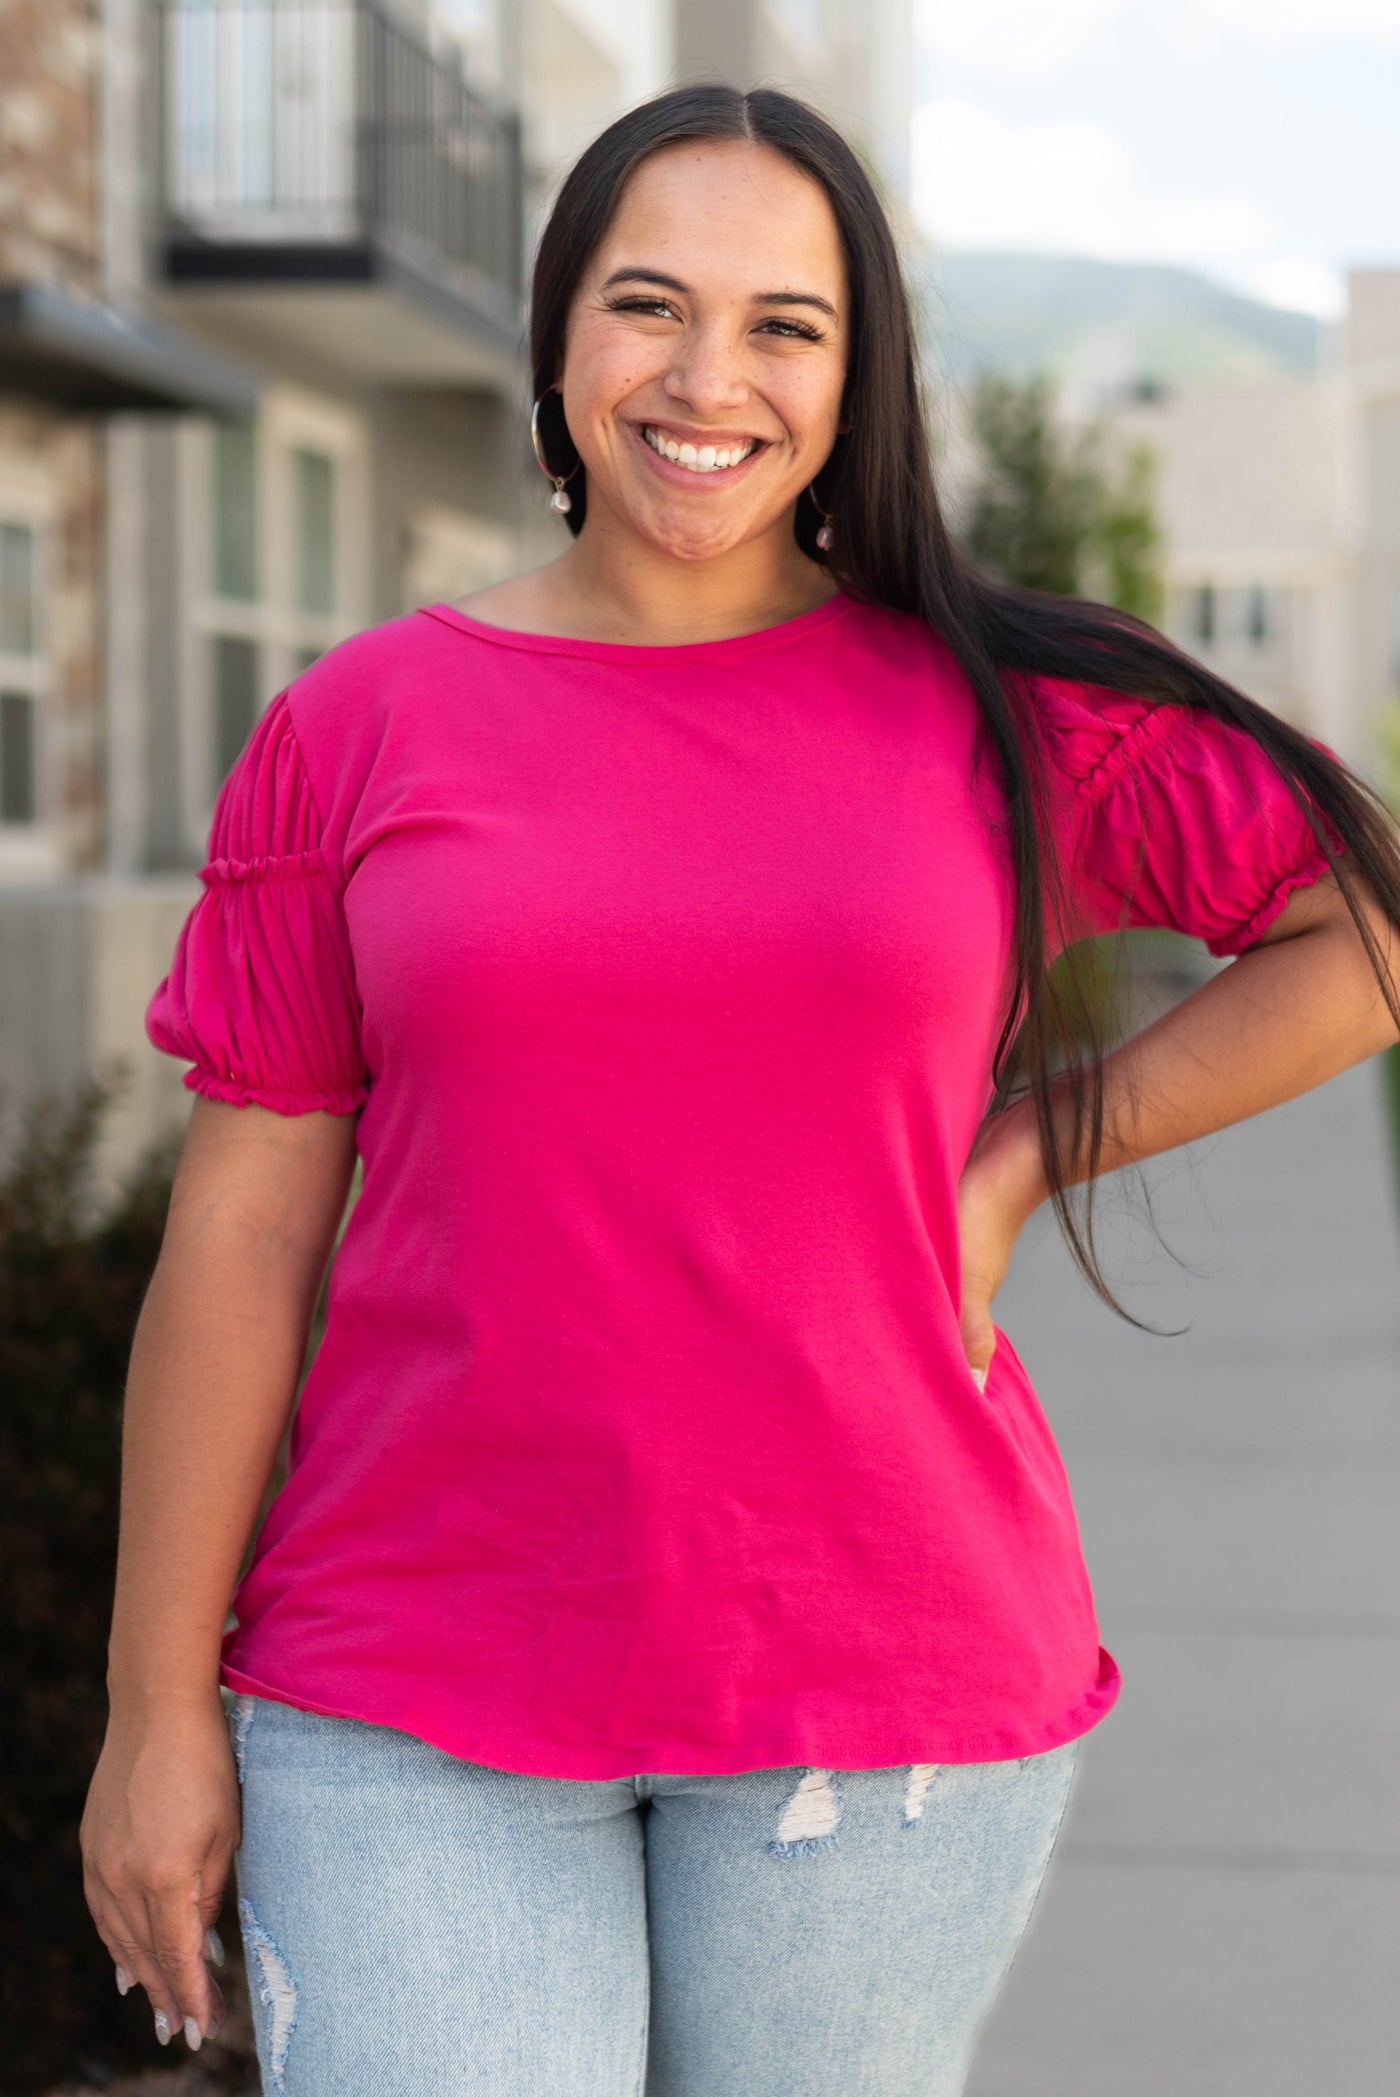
(705, 351)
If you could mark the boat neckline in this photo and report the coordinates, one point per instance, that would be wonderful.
(802, 623)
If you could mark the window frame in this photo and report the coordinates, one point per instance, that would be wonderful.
(288, 420)
(30, 851)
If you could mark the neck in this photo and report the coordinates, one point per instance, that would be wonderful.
(625, 589)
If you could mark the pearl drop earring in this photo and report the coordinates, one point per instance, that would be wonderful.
(560, 500)
(825, 530)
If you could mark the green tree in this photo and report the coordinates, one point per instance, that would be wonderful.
(1128, 541)
(1031, 515)
(1054, 507)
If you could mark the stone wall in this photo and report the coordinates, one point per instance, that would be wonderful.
(50, 59)
(50, 54)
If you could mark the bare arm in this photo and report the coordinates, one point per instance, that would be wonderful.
(1296, 1008)
(215, 1360)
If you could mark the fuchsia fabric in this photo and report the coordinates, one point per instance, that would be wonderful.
(665, 982)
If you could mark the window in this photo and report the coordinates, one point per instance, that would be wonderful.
(236, 682)
(1258, 615)
(18, 799)
(234, 564)
(260, 116)
(315, 530)
(233, 521)
(20, 673)
(275, 574)
(1203, 614)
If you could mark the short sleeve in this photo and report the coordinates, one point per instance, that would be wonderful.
(1171, 817)
(260, 996)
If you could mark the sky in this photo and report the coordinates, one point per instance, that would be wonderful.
(1255, 140)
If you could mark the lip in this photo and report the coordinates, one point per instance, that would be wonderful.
(681, 476)
(686, 433)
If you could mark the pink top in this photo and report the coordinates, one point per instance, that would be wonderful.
(665, 983)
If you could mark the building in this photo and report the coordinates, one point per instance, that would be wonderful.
(1280, 503)
(262, 384)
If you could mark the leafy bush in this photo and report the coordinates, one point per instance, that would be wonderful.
(72, 1280)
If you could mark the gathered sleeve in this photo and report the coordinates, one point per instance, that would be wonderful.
(1171, 817)
(260, 996)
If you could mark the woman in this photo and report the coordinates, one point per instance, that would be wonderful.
(667, 1657)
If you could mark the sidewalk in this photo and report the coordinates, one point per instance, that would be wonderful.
(1223, 1917)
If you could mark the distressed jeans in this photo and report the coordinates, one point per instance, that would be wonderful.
(416, 1925)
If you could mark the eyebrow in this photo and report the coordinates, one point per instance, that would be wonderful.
(760, 298)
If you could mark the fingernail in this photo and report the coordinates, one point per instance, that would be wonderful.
(979, 1377)
(194, 2037)
(214, 1946)
(123, 1980)
(162, 2027)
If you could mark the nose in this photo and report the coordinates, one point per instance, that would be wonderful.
(707, 374)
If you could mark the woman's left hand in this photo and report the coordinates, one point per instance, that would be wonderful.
(1002, 1184)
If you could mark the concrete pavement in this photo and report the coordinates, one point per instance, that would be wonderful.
(1223, 1915)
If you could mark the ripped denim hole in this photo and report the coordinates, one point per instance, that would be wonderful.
(809, 1820)
(276, 1992)
(921, 1775)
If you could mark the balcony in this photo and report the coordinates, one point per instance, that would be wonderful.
(330, 183)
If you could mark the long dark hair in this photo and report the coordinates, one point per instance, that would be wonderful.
(894, 549)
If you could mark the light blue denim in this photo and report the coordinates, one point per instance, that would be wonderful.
(421, 1926)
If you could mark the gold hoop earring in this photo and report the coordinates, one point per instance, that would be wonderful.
(560, 500)
(825, 530)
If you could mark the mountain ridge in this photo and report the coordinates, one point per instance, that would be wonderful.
(1100, 327)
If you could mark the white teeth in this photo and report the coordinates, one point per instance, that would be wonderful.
(706, 458)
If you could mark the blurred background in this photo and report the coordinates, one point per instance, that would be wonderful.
(262, 384)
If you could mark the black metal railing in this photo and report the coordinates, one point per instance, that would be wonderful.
(305, 122)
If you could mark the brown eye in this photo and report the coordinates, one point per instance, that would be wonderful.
(639, 306)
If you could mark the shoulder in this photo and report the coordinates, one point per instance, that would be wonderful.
(344, 707)
(901, 651)
(322, 739)
(354, 683)
(887, 630)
